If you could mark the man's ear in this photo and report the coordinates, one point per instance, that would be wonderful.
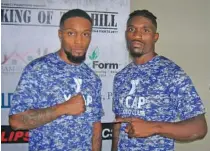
(156, 37)
(60, 34)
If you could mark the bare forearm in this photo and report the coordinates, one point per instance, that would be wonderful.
(34, 118)
(96, 143)
(115, 136)
(96, 138)
(189, 130)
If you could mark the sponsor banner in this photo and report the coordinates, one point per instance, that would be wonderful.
(14, 61)
(6, 99)
(103, 67)
(8, 135)
(107, 131)
(103, 22)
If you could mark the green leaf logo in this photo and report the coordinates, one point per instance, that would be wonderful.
(94, 54)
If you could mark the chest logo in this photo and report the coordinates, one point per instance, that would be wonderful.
(134, 84)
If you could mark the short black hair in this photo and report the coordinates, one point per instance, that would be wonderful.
(145, 13)
(74, 13)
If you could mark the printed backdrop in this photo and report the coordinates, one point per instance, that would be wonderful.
(29, 30)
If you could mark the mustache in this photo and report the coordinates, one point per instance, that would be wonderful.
(135, 40)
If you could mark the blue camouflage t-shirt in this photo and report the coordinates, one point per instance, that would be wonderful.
(48, 81)
(158, 90)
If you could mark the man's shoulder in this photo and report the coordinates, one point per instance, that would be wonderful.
(170, 68)
(91, 71)
(124, 70)
(168, 63)
(39, 62)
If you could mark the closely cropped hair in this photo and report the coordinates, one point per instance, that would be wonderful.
(144, 13)
(74, 13)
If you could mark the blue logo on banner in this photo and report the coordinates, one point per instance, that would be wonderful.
(6, 99)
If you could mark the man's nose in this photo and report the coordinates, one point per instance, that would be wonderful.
(78, 39)
(137, 34)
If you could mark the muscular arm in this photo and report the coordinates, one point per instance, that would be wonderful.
(188, 130)
(96, 138)
(31, 119)
(115, 136)
(34, 118)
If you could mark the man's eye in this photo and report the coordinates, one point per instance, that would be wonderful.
(86, 34)
(146, 30)
(71, 33)
(131, 29)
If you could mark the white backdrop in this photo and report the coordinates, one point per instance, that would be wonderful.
(29, 30)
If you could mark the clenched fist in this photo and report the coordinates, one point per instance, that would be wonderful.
(139, 128)
(74, 106)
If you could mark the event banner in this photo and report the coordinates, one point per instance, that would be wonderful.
(30, 30)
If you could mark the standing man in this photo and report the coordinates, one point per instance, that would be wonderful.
(58, 97)
(155, 101)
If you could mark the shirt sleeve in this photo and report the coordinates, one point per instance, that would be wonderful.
(187, 101)
(97, 108)
(115, 103)
(26, 92)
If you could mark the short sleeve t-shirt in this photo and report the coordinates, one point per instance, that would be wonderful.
(48, 81)
(158, 90)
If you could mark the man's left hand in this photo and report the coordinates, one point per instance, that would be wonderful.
(138, 128)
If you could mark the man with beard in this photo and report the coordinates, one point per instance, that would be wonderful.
(58, 97)
(154, 101)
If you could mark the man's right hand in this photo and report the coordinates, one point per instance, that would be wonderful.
(74, 106)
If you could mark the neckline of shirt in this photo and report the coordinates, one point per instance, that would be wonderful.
(155, 58)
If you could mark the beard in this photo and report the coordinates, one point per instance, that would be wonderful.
(74, 59)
